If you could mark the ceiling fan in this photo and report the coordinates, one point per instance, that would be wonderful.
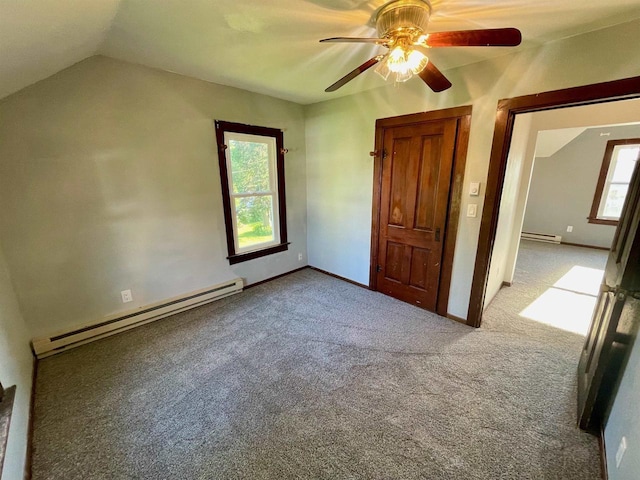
(401, 26)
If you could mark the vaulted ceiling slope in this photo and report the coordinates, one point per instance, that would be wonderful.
(38, 38)
(265, 46)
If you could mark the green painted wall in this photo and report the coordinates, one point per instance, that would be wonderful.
(340, 134)
(109, 181)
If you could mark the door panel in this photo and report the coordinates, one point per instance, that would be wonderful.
(400, 182)
(395, 252)
(608, 341)
(420, 268)
(428, 183)
(602, 312)
(416, 177)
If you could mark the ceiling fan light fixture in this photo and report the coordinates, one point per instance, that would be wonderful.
(403, 16)
(402, 28)
(402, 63)
(417, 61)
(402, 22)
(403, 76)
(396, 65)
(383, 68)
(397, 60)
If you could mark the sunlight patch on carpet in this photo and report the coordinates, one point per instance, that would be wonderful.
(569, 304)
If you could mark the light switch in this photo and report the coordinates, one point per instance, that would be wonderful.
(474, 189)
(472, 210)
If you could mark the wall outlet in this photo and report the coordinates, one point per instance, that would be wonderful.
(570, 228)
(300, 257)
(472, 210)
(621, 449)
(126, 296)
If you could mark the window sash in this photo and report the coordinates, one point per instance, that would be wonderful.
(270, 142)
(606, 183)
(271, 192)
(605, 199)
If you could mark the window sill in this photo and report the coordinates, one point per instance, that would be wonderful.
(602, 221)
(243, 257)
(6, 406)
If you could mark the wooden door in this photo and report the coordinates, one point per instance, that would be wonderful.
(612, 330)
(414, 196)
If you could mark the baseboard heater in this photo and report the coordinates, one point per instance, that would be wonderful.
(541, 237)
(44, 347)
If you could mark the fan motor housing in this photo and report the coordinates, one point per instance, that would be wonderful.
(407, 17)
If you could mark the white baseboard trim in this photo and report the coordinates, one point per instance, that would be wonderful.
(541, 237)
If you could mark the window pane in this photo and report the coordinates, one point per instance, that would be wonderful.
(254, 217)
(615, 201)
(249, 166)
(626, 160)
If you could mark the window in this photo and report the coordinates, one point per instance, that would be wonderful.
(252, 174)
(620, 158)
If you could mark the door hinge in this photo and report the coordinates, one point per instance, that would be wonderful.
(378, 268)
(375, 153)
(438, 234)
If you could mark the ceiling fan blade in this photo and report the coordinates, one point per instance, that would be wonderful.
(434, 78)
(491, 37)
(379, 41)
(354, 73)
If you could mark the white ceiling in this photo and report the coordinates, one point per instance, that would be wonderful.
(266, 46)
(550, 141)
(557, 128)
(41, 37)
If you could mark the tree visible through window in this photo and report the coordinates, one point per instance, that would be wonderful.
(252, 174)
(619, 161)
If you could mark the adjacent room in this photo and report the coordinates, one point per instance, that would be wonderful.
(282, 240)
(562, 173)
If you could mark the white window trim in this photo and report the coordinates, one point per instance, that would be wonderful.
(272, 192)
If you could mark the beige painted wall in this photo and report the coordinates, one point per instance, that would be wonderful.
(16, 367)
(340, 133)
(109, 181)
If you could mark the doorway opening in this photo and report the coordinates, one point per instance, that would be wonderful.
(553, 172)
(610, 336)
(504, 128)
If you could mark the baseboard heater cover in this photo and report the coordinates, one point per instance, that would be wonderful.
(44, 347)
(541, 237)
